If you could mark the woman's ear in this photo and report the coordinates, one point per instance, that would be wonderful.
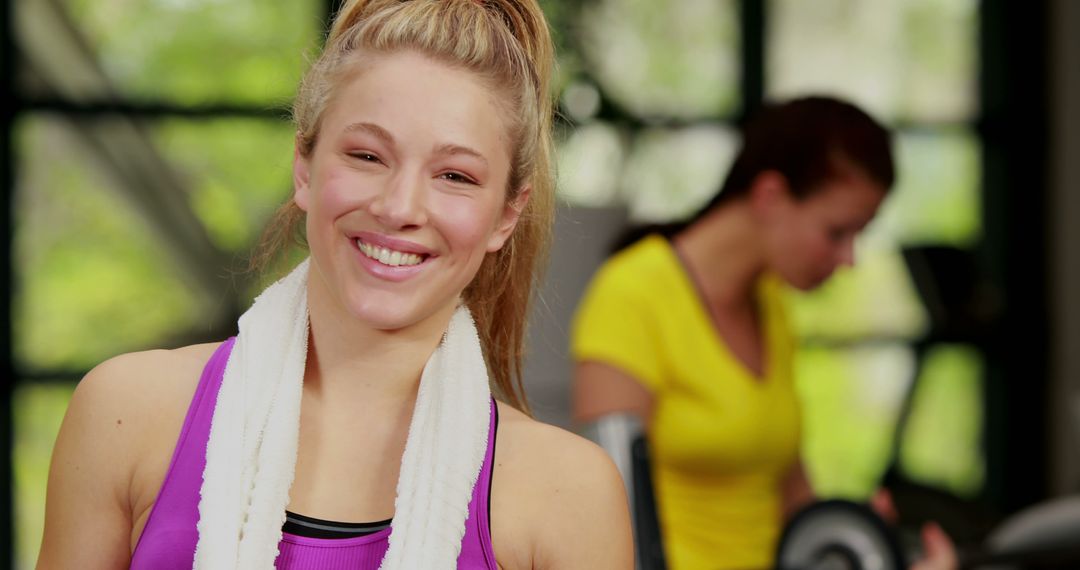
(508, 220)
(301, 179)
(770, 194)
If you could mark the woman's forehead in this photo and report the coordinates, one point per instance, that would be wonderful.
(412, 96)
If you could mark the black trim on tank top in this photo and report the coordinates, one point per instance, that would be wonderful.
(491, 476)
(310, 527)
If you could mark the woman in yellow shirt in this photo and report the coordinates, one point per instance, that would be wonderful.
(686, 330)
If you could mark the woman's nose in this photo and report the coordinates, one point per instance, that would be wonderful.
(400, 203)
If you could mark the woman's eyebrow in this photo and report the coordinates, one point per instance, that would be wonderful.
(460, 149)
(372, 129)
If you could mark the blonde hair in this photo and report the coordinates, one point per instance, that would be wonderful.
(506, 43)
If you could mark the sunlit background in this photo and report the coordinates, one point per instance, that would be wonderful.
(150, 143)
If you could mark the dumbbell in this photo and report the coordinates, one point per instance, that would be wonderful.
(842, 535)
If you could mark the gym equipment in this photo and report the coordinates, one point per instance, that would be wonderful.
(838, 535)
(842, 535)
(647, 540)
(612, 432)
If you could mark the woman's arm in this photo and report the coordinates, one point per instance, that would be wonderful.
(601, 389)
(87, 508)
(587, 525)
(795, 491)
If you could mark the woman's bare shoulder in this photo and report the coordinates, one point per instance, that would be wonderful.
(137, 398)
(535, 443)
(565, 492)
(112, 451)
(142, 383)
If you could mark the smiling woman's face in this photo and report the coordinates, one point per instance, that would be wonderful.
(405, 190)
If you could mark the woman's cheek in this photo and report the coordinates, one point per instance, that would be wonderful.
(345, 192)
(467, 218)
(824, 248)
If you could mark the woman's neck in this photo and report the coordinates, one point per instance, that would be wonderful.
(724, 254)
(351, 361)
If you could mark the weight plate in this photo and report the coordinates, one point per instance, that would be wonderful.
(838, 535)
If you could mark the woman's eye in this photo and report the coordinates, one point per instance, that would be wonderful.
(365, 156)
(457, 177)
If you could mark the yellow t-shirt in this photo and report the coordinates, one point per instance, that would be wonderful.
(720, 439)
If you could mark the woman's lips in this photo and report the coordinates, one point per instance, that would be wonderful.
(391, 243)
(390, 264)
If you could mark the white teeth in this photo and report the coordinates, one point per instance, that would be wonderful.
(388, 256)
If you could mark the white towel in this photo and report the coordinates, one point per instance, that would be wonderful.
(251, 455)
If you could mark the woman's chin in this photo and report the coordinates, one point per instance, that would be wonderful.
(392, 315)
(804, 281)
(382, 319)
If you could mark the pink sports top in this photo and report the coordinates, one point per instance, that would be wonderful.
(169, 538)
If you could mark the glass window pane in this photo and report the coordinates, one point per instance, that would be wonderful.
(876, 298)
(936, 199)
(943, 437)
(196, 51)
(850, 402)
(674, 59)
(671, 173)
(237, 171)
(590, 159)
(38, 410)
(84, 260)
(901, 59)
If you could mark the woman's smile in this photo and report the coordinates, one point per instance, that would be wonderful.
(389, 258)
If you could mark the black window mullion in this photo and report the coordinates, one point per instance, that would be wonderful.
(752, 54)
(1013, 89)
(148, 109)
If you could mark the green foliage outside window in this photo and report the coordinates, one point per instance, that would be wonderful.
(200, 51)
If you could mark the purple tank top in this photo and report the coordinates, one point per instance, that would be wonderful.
(169, 539)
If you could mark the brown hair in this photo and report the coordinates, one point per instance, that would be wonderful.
(506, 43)
(809, 140)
